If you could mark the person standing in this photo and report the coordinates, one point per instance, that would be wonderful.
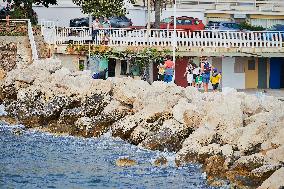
(215, 79)
(161, 72)
(7, 13)
(196, 72)
(107, 26)
(206, 68)
(169, 70)
(95, 30)
(188, 74)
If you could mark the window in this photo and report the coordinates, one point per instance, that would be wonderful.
(187, 22)
(180, 22)
(123, 67)
(251, 65)
(239, 67)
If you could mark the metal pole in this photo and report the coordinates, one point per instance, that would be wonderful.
(148, 20)
(174, 37)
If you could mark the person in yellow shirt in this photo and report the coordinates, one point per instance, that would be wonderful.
(215, 79)
(161, 72)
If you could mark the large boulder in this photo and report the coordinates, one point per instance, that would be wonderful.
(257, 133)
(274, 181)
(169, 137)
(149, 114)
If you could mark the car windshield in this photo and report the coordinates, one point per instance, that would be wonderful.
(167, 20)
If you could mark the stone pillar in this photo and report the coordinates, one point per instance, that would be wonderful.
(151, 69)
(118, 68)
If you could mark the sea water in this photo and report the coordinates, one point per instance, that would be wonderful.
(35, 159)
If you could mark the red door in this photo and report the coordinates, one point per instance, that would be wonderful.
(180, 68)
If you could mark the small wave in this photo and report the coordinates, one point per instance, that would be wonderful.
(2, 110)
(8, 127)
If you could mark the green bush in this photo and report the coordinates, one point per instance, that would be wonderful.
(247, 26)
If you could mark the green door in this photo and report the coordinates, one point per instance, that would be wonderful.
(262, 73)
(103, 65)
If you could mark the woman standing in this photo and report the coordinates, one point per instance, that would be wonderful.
(189, 74)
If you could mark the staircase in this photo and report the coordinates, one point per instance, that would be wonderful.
(24, 52)
(43, 49)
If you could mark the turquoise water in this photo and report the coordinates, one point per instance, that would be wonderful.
(40, 160)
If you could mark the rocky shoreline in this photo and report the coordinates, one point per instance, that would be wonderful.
(237, 137)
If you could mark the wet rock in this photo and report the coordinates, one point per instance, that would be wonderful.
(217, 183)
(169, 137)
(94, 105)
(249, 162)
(149, 127)
(17, 132)
(149, 114)
(187, 154)
(70, 116)
(161, 161)
(125, 162)
(84, 126)
(207, 151)
(214, 166)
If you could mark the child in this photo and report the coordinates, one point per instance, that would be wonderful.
(161, 72)
(198, 81)
(215, 79)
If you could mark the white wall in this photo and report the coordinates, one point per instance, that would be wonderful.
(63, 12)
(231, 79)
(139, 15)
(61, 15)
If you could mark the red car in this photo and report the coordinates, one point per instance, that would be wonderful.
(184, 23)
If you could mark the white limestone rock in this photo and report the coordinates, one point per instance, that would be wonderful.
(203, 136)
(274, 181)
(84, 123)
(227, 150)
(210, 150)
(180, 108)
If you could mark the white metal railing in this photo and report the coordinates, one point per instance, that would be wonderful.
(256, 3)
(48, 31)
(164, 38)
(30, 35)
(32, 41)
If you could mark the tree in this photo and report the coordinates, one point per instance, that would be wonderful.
(158, 6)
(29, 3)
(102, 8)
(24, 8)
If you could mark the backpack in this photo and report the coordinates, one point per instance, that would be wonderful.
(207, 67)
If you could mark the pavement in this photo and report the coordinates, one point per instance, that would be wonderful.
(269, 92)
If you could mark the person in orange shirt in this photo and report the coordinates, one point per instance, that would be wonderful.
(169, 70)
